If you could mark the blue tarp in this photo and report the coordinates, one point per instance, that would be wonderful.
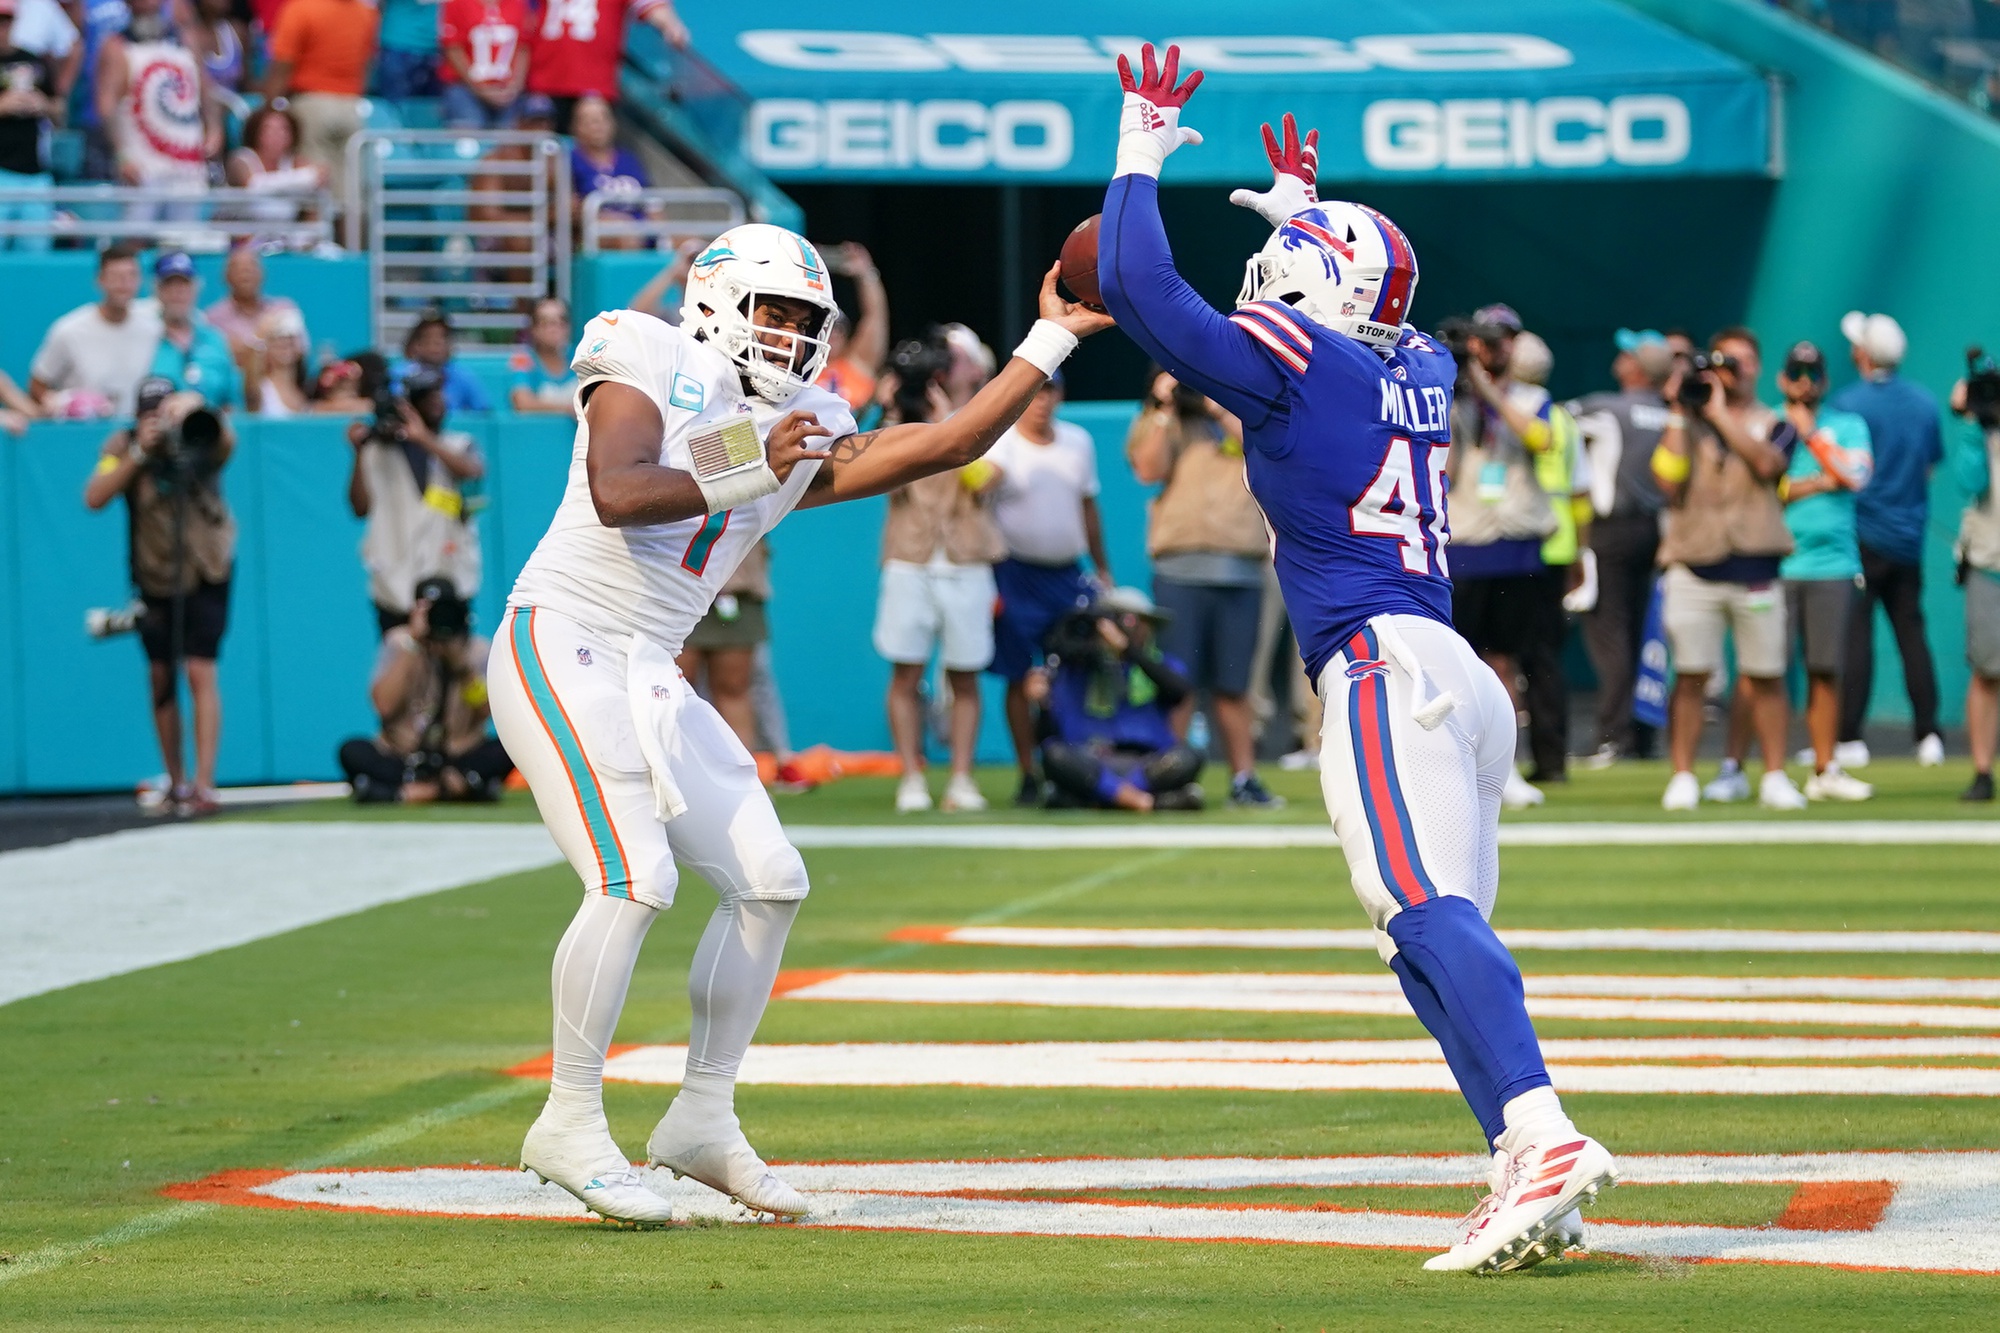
(886, 90)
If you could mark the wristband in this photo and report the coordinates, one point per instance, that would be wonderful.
(1047, 346)
(737, 488)
(1671, 467)
(1675, 421)
(1784, 490)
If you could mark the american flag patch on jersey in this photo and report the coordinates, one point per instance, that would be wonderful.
(1277, 327)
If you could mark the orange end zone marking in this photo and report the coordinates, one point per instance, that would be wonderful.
(544, 1066)
(240, 1188)
(922, 934)
(1837, 1205)
(800, 978)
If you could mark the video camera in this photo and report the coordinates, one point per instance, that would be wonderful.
(918, 364)
(449, 616)
(190, 444)
(1694, 392)
(1982, 388)
(388, 424)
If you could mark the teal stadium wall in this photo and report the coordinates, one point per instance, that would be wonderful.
(1890, 201)
(302, 638)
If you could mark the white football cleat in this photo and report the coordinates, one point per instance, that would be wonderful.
(1776, 792)
(1565, 1235)
(1519, 793)
(1851, 755)
(1835, 785)
(587, 1163)
(717, 1155)
(1545, 1183)
(963, 794)
(913, 796)
(1930, 751)
(1683, 793)
(1731, 784)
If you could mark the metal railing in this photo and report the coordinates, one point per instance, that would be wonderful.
(411, 200)
(198, 219)
(661, 218)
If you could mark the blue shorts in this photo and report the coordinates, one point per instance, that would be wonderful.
(1213, 630)
(1032, 599)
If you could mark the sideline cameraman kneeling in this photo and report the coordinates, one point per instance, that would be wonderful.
(1105, 697)
(168, 466)
(430, 692)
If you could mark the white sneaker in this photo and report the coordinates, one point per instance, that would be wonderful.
(1930, 751)
(1300, 761)
(1776, 792)
(963, 794)
(1683, 792)
(1806, 757)
(912, 795)
(1732, 784)
(1519, 793)
(1834, 785)
(1544, 1183)
(1851, 755)
(1565, 1235)
(720, 1157)
(586, 1162)
(1603, 757)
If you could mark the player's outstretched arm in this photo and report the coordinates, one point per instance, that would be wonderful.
(628, 485)
(879, 461)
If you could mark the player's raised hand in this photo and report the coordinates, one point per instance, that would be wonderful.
(1082, 320)
(1150, 126)
(790, 442)
(1294, 175)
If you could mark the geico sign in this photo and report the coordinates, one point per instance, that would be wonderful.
(1009, 53)
(1488, 134)
(789, 134)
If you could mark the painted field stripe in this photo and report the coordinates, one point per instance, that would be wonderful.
(1152, 834)
(1314, 993)
(1638, 940)
(1358, 1066)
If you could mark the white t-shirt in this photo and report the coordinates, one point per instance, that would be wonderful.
(83, 350)
(1039, 506)
(42, 27)
(661, 579)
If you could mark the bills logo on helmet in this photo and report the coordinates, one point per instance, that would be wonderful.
(1311, 231)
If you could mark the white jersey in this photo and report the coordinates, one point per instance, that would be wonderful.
(658, 581)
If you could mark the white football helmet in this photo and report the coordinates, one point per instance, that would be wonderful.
(750, 261)
(1344, 266)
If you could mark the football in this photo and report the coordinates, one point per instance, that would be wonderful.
(1079, 262)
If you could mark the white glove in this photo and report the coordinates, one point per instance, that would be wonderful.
(1150, 126)
(1294, 172)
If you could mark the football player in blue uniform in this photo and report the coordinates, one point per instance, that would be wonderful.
(1346, 412)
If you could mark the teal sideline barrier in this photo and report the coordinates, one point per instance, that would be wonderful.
(301, 642)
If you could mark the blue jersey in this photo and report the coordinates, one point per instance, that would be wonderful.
(1346, 449)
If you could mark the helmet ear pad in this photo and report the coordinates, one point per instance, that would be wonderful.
(1344, 266)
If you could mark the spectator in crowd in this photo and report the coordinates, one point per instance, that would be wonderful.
(1209, 546)
(268, 163)
(44, 28)
(320, 55)
(430, 344)
(217, 37)
(939, 546)
(723, 644)
(1718, 465)
(662, 294)
(93, 358)
(1620, 430)
(274, 384)
(1502, 595)
(1975, 464)
(1830, 462)
(192, 354)
(581, 43)
(16, 408)
(429, 690)
(539, 377)
(971, 365)
(168, 466)
(100, 20)
(408, 481)
(407, 64)
(856, 352)
(1046, 507)
(485, 64)
(153, 100)
(1903, 424)
(1106, 699)
(598, 164)
(27, 105)
(533, 114)
(242, 312)
(349, 385)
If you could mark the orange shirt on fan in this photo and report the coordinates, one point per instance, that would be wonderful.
(328, 43)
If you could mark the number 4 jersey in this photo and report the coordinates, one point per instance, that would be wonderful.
(1345, 448)
(659, 580)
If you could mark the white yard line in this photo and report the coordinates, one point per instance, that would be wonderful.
(1944, 1213)
(1638, 940)
(1251, 837)
(97, 907)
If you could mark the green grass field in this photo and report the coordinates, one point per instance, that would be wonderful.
(379, 1039)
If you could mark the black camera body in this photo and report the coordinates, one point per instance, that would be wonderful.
(190, 451)
(1982, 388)
(1694, 391)
(918, 364)
(388, 423)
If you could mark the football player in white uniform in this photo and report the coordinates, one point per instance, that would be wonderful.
(692, 443)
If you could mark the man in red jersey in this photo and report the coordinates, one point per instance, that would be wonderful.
(485, 45)
(578, 47)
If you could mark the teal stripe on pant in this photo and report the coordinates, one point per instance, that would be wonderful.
(589, 797)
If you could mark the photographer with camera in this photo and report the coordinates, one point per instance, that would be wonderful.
(1718, 464)
(168, 466)
(1106, 696)
(1974, 449)
(429, 689)
(939, 546)
(409, 482)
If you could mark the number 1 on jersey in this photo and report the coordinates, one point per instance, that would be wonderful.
(695, 561)
(1392, 506)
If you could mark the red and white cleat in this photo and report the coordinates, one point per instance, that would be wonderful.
(1532, 1214)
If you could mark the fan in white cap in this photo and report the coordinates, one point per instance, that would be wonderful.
(1878, 337)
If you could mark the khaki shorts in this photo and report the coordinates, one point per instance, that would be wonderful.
(1982, 622)
(1699, 613)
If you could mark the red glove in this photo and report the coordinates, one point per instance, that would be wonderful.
(1149, 127)
(1295, 169)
